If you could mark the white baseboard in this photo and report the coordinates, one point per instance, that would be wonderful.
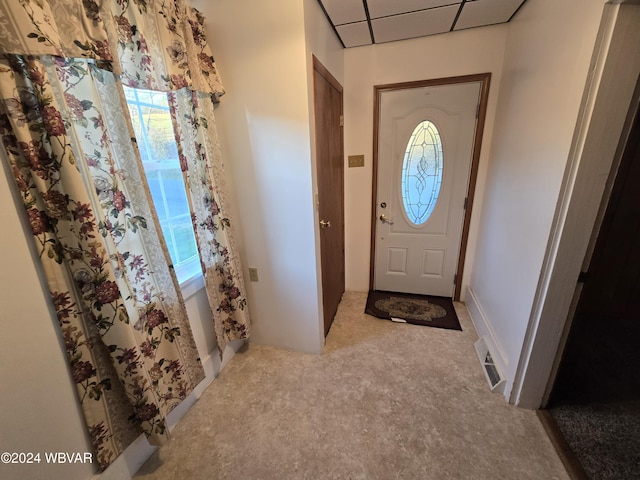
(129, 462)
(484, 329)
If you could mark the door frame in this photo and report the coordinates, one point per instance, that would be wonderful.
(610, 97)
(485, 81)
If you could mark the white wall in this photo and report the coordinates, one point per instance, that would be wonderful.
(323, 43)
(264, 128)
(478, 50)
(549, 47)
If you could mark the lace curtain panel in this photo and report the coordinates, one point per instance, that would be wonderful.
(79, 173)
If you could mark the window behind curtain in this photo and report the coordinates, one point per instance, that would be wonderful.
(154, 133)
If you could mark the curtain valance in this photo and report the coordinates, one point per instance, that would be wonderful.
(150, 44)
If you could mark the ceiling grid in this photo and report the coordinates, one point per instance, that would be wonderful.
(366, 22)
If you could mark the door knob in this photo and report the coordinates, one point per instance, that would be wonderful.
(325, 224)
(384, 219)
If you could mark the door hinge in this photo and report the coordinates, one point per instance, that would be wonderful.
(478, 111)
(466, 201)
(342, 120)
(455, 279)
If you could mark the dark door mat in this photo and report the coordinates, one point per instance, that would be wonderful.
(415, 309)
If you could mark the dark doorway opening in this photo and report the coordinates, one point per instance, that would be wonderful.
(595, 402)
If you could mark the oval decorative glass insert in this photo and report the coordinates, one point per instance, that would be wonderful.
(422, 172)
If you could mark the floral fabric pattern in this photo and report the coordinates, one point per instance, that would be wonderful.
(151, 44)
(106, 301)
(201, 163)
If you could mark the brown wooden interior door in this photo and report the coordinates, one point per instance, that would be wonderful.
(330, 170)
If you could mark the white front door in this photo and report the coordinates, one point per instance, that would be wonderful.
(425, 147)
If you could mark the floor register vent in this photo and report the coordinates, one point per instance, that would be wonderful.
(489, 367)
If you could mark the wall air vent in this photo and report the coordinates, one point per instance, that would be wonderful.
(491, 372)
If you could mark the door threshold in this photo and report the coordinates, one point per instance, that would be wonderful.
(568, 458)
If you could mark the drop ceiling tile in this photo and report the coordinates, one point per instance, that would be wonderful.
(486, 12)
(417, 24)
(354, 34)
(345, 11)
(384, 8)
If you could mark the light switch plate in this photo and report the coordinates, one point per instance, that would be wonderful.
(356, 160)
(253, 274)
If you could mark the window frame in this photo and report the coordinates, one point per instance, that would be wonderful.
(189, 272)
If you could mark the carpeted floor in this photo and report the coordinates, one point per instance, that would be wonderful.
(383, 401)
(596, 399)
(603, 437)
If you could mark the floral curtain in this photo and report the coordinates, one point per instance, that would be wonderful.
(96, 241)
(201, 164)
(152, 44)
(79, 173)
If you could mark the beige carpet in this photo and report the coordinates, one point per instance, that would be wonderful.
(384, 401)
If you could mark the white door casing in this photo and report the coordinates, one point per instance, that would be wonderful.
(423, 258)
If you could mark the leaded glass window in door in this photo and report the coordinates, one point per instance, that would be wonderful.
(422, 172)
